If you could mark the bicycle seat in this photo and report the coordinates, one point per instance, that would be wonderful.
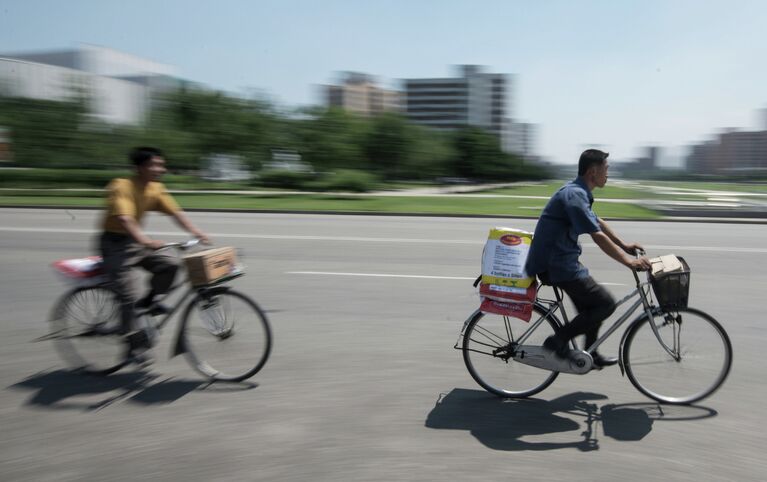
(544, 279)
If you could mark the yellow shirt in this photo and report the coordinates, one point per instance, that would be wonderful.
(125, 199)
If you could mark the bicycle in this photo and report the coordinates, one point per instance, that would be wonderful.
(504, 355)
(223, 334)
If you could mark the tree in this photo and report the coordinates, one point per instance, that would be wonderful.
(332, 139)
(44, 132)
(195, 123)
(388, 145)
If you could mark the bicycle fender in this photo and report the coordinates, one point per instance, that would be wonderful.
(636, 320)
(179, 347)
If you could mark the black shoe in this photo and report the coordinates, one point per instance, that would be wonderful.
(556, 345)
(138, 340)
(601, 361)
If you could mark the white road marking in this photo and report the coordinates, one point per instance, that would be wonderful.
(382, 275)
(259, 236)
(359, 239)
(388, 275)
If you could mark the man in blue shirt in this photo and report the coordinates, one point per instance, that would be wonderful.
(554, 254)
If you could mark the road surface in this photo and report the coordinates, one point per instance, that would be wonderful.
(363, 382)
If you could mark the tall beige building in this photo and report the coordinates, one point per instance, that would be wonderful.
(360, 94)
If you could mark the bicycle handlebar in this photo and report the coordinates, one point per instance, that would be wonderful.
(183, 246)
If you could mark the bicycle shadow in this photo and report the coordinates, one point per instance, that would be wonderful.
(70, 390)
(503, 424)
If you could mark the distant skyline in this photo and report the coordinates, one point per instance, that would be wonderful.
(618, 75)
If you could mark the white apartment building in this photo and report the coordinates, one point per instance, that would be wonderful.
(119, 86)
(474, 98)
(521, 139)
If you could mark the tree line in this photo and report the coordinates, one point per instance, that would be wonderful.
(193, 124)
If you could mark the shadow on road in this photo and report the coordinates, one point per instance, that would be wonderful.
(63, 389)
(502, 424)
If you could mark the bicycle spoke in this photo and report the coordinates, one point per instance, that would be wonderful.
(490, 335)
(85, 330)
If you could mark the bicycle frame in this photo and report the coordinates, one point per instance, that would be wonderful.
(192, 290)
(641, 290)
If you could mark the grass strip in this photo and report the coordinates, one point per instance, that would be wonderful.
(444, 205)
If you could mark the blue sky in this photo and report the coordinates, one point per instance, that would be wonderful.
(618, 74)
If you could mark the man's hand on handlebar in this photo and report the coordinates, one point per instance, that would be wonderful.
(640, 264)
(204, 239)
(633, 249)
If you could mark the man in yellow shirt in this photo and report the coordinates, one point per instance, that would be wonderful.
(125, 245)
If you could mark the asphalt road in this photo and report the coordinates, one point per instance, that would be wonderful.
(363, 382)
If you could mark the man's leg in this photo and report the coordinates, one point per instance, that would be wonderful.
(119, 255)
(163, 265)
(594, 304)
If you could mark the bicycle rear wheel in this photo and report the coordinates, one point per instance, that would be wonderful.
(486, 343)
(698, 362)
(225, 335)
(86, 330)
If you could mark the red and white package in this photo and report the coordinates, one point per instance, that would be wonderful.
(81, 271)
(505, 288)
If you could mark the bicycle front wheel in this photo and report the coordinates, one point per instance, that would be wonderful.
(225, 335)
(86, 330)
(487, 342)
(694, 365)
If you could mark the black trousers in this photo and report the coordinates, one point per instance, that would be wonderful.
(121, 255)
(594, 304)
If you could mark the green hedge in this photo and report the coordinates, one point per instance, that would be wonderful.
(283, 178)
(347, 180)
(84, 178)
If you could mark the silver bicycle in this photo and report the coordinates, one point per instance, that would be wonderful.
(670, 352)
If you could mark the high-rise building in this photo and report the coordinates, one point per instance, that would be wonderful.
(360, 94)
(732, 152)
(474, 98)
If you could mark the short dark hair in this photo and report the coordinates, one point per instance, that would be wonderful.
(591, 157)
(141, 155)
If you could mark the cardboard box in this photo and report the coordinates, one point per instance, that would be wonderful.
(209, 266)
(665, 264)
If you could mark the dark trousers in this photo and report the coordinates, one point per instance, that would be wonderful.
(594, 304)
(121, 255)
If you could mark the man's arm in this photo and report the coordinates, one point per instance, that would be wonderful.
(606, 244)
(630, 248)
(134, 230)
(187, 225)
(168, 205)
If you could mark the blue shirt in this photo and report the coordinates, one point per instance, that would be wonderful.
(555, 247)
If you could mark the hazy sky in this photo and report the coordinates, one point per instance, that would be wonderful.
(620, 74)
